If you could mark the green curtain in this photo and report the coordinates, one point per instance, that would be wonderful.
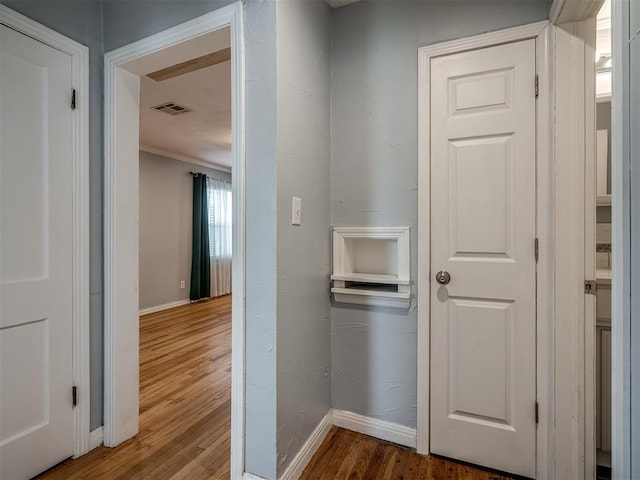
(200, 262)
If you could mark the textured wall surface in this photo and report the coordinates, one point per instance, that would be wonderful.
(261, 230)
(304, 342)
(631, 97)
(166, 210)
(374, 166)
(82, 21)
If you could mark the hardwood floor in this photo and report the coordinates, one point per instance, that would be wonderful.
(349, 455)
(185, 415)
(185, 402)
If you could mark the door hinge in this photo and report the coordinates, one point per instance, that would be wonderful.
(537, 85)
(590, 287)
(537, 412)
(74, 395)
(73, 99)
(536, 249)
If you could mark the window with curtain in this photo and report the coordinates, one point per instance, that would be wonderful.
(220, 215)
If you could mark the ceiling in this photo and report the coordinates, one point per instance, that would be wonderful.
(204, 134)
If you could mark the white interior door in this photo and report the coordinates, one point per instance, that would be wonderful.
(35, 256)
(483, 322)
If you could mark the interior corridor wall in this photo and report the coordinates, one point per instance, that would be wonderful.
(304, 342)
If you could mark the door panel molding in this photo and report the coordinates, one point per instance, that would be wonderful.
(539, 31)
(80, 125)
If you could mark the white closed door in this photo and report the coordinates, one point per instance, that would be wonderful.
(483, 322)
(35, 256)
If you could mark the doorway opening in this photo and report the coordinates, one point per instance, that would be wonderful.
(185, 249)
(177, 55)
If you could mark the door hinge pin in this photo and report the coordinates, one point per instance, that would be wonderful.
(73, 99)
(74, 395)
(536, 249)
(537, 85)
(537, 412)
(590, 287)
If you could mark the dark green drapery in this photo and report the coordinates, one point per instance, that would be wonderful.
(200, 263)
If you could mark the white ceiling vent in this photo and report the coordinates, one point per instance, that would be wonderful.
(171, 108)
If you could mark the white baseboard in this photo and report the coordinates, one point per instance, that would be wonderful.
(308, 450)
(164, 306)
(391, 432)
(251, 476)
(95, 438)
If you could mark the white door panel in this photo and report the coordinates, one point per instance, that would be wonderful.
(483, 347)
(35, 256)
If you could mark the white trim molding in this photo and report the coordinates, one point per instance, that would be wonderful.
(539, 31)
(308, 450)
(80, 124)
(120, 393)
(574, 217)
(251, 476)
(164, 306)
(389, 431)
(96, 438)
(565, 11)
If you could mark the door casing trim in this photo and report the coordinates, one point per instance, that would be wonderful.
(541, 32)
(80, 198)
(120, 398)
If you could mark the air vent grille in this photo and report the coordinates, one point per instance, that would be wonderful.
(171, 108)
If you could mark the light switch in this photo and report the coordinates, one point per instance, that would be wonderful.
(296, 211)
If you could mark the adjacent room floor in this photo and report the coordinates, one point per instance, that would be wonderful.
(185, 402)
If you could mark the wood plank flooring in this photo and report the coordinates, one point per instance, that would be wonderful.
(185, 402)
(353, 456)
(185, 414)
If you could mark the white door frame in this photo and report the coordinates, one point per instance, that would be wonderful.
(121, 301)
(574, 179)
(541, 32)
(80, 285)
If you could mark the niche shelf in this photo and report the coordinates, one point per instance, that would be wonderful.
(371, 266)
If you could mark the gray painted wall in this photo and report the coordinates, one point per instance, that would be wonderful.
(304, 342)
(81, 21)
(603, 122)
(261, 236)
(166, 209)
(631, 98)
(374, 139)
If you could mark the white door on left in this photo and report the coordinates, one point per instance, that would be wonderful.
(36, 175)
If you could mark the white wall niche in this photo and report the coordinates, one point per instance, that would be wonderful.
(371, 266)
